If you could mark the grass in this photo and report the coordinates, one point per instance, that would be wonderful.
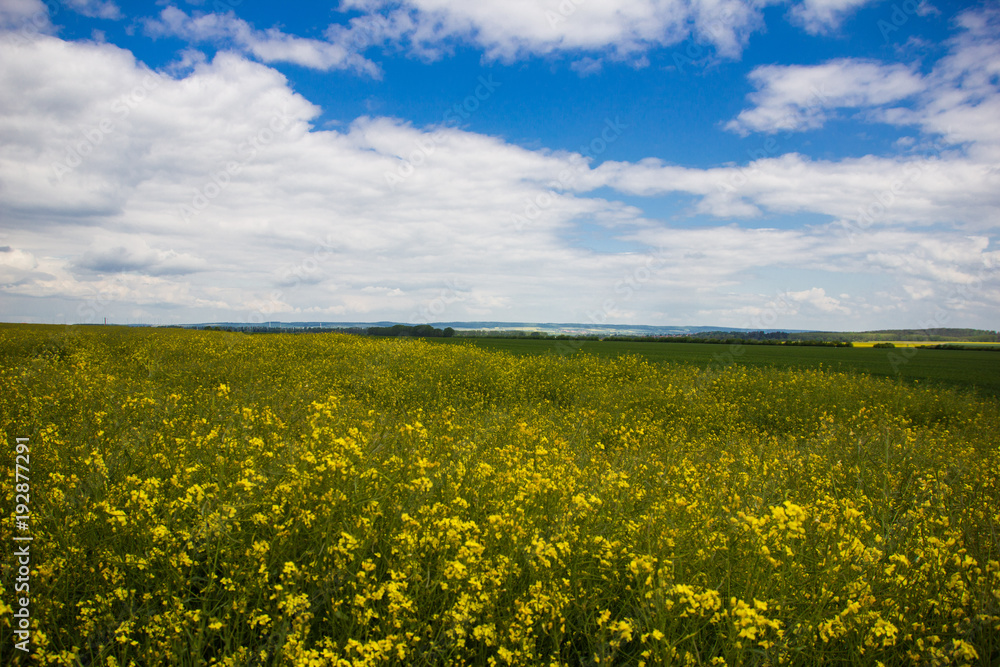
(969, 369)
(209, 498)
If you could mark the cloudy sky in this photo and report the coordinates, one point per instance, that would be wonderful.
(807, 164)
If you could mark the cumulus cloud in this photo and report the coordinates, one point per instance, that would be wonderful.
(15, 265)
(233, 206)
(268, 46)
(103, 9)
(956, 263)
(822, 16)
(587, 66)
(958, 101)
(28, 16)
(860, 192)
(134, 255)
(962, 100)
(506, 30)
(818, 298)
(510, 29)
(803, 97)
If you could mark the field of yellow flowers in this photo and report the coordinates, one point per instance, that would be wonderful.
(220, 498)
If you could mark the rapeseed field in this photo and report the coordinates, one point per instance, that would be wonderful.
(211, 498)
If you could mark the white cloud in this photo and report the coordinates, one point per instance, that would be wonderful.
(512, 29)
(268, 45)
(956, 263)
(817, 298)
(587, 66)
(822, 16)
(104, 9)
(28, 16)
(803, 97)
(962, 101)
(506, 30)
(861, 192)
(300, 223)
(15, 265)
(132, 254)
(958, 101)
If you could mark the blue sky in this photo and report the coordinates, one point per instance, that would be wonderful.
(809, 164)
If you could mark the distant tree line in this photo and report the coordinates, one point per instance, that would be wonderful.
(958, 346)
(744, 335)
(415, 331)
(264, 329)
(732, 340)
(719, 337)
(509, 333)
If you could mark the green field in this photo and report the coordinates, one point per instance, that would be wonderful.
(973, 369)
